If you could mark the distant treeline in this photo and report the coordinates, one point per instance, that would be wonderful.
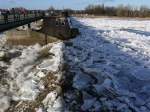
(120, 11)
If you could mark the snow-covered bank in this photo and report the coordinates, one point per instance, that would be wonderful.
(111, 63)
(21, 78)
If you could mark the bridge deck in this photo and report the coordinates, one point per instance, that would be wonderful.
(12, 21)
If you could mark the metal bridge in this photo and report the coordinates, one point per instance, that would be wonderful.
(56, 26)
(15, 20)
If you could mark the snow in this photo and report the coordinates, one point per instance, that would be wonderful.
(4, 103)
(53, 103)
(39, 110)
(50, 98)
(19, 71)
(52, 64)
(2, 54)
(40, 74)
(24, 75)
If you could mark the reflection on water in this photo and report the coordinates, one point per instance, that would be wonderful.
(27, 37)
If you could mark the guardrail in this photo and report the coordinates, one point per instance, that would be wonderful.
(11, 18)
(14, 20)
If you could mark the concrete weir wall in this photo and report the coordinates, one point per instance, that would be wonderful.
(58, 27)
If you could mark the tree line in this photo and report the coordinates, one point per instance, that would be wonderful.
(120, 11)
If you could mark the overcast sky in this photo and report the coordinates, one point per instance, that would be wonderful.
(74, 4)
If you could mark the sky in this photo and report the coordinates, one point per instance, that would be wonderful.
(74, 4)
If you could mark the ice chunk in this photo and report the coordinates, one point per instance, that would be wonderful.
(81, 81)
(97, 106)
(50, 98)
(105, 85)
(141, 73)
(39, 110)
(59, 104)
(28, 90)
(52, 103)
(40, 74)
(88, 103)
(48, 65)
(2, 54)
(53, 63)
(85, 95)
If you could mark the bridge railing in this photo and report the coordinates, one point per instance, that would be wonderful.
(10, 18)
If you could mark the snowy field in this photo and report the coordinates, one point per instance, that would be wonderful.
(104, 69)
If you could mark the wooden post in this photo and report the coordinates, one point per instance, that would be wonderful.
(45, 38)
(29, 25)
